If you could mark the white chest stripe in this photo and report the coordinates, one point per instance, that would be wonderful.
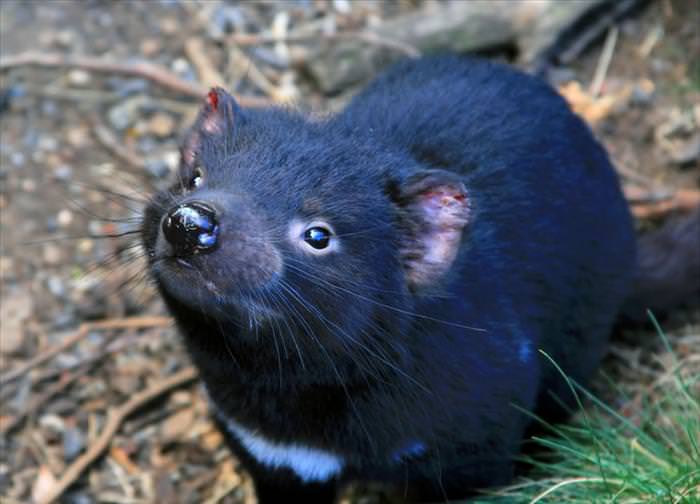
(310, 464)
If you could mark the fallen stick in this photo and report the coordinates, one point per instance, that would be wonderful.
(155, 73)
(110, 142)
(114, 421)
(246, 39)
(40, 400)
(683, 200)
(196, 52)
(82, 332)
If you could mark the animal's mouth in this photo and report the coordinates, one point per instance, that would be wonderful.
(194, 286)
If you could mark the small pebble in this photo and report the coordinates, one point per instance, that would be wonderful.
(67, 360)
(64, 218)
(14, 310)
(172, 159)
(127, 87)
(86, 246)
(161, 125)
(686, 152)
(120, 117)
(64, 406)
(51, 224)
(157, 168)
(28, 185)
(169, 26)
(7, 96)
(65, 38)
(643, 93)
(63, 321)
(177, 425)
(7, 266)
(183, 68)
(125, 384)
(77, 498)
(21, 397)
(150, 47)
(63, 172)
(146, 144)
(73, 443)
(49, 108)
(77, 136)
(342, 6)
(79, 77)
(48, 143)
(95, 228)
(660, 66)
(52, 254)
(225, 19)
(96, 338)
(52, 423)
(270, 57)
(30, 139)
(56, 286)
(18, 158)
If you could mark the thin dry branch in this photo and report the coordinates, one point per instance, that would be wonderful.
(143, 69)
(82, 332)
(683, 200)
(110, 142)
(114, 421)
(245, 39)
(64, 382)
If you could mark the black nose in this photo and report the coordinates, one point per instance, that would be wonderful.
(191, 228)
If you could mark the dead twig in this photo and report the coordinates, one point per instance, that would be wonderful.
(254, 73)
(245, 39)
(114, 421)
(110, 142)
(106, 350)
(587, 36)
(636, 195)
(606, 56)
(82, 332)
(143, 69)
(683, 200)
(38, 401)
(103, 97)
(197, 53)
(633, 176)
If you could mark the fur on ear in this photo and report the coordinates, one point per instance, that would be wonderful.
(434, 208)
(216, 116)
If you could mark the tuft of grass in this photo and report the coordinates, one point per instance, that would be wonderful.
(648, 451)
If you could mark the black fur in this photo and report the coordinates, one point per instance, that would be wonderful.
(358, 359)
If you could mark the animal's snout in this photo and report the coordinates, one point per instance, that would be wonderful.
(191, 228)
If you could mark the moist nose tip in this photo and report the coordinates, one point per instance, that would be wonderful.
(191, 228)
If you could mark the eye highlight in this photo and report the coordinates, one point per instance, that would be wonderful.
(197, 179)
(317, 237)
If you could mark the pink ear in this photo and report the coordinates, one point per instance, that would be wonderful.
(438, 207)
(215, 117)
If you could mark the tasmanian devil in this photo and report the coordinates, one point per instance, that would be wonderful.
(369, 296)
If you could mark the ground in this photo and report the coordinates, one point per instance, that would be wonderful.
(74, 142)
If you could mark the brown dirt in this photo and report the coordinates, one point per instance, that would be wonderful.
(57, 275)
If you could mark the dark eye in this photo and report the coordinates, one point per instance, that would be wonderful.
(197, 178)
(317, 237)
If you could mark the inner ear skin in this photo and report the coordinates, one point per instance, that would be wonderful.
(437, 206)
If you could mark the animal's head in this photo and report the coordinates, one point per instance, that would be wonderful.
(276, 221)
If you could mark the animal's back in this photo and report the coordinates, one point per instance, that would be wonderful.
(551, 239)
